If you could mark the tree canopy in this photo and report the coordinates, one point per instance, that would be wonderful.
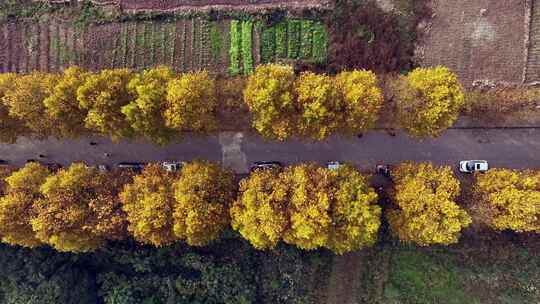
(79, 210)
(428, 100)
(191, 103)
(103, 95)
(509, 199)
(17, 207)
(269, 96)
(425, 209)
(149, 205)
(309, 207)
(145, 111)
(62, 104)
(203, 195)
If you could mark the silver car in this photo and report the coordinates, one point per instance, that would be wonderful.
(470, 166)
(172, 166)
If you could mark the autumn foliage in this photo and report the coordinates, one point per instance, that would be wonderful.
(17, 205)
(428, 100)
(79, 210)
(425, 209)
(203, 193)
(307, 206)
(158, 104)
(509, 199)
(269, 96)
(192, 205)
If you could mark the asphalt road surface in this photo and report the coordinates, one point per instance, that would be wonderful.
(511, 148)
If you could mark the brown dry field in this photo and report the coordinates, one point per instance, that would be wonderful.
(50, 46)
(167, 5)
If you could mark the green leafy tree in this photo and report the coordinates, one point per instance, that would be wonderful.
(103, 95)
(10, 127)
(269, 96)
(17, 206)
(320, 105)
(191, 103)
(145, 112)
(62, 104)
(426, 212)
(149, 204)
(362, 100)
(25, 101)
(203, 195)
(428, 101)
(79, 210)
(509, 199)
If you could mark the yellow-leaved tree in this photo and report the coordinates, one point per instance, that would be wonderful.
(203, 195)
(149, 205)
(145, 111)
(62, 104)
(25, 101)
(320, 104)
(509, 199)
(425, 209)
(428, 100)
(191, 103)
(17, 206)
(362, 100)
(269, 96)
(79, 210)
(260, 213)
(10, 127)
(356, 217)
(309, 207)
(103, 95)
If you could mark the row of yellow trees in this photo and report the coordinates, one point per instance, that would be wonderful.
(157, 103)
(79, 208)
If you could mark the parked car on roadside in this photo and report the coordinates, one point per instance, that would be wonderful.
(172, 166)
(135, 166)
(471, 166)
(333, 165)
(265, 165)
(50, 166)
(382, 169)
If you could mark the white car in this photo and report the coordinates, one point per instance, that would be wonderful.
(172, 166)
(470, 166)
(333, 165)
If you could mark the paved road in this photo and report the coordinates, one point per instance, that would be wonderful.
(513, 148)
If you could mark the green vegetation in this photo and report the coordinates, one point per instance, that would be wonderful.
(268, 44)
(247, 56)
(294, 28)
(234, 51)
(418, 277)
(216, 42)
(306, 39)
(281, 40)
(320, 42)
(122, 273)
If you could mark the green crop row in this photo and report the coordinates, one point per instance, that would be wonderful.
(234, 51)
(294, 28)
(320, 42)
(247, 57)
(268, 44)
(306, 39)
(281, 40)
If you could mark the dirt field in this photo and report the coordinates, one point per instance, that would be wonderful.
(52, 46)
(204, 5)
(479, 39)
